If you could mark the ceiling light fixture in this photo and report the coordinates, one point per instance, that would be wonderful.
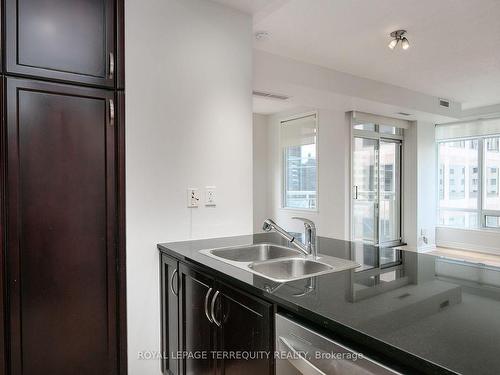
(399, 36)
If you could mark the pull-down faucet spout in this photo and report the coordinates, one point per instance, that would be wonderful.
(309, 248)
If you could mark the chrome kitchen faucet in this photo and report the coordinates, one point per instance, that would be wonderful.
(310, 246)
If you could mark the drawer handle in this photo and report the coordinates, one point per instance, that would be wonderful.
(299, 362)
(206, 306)
(172, 282)
(212, 308)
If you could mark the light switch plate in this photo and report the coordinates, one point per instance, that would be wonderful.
(210, 196)
(193, 197)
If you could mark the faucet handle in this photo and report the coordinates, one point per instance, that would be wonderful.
(307, 222)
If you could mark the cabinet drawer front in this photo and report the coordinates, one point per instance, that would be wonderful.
(68, 40)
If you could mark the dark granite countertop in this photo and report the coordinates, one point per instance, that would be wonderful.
(441, 311)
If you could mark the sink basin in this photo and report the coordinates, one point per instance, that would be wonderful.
(290, 269)
(254, 253)
(278, 263)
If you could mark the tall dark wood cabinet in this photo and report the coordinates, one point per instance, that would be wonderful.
(3, 345)
(63, 188)
(62, 215)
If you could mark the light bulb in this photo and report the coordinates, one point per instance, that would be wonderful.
(405, 44)
(393, 44)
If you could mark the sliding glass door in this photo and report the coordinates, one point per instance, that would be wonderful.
(389, 191)
(365, 179)
(376, 177)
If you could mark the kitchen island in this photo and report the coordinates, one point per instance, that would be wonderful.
(412, 312)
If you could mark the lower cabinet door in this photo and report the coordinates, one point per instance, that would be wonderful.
(197, 330)
(61, 229)
(245, 335)
(170, 315)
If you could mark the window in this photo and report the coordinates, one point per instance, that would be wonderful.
(491, 175)
(376, 178)
(298, 139)
(492, 144)
(468, 181)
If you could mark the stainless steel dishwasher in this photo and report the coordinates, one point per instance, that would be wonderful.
(304, 351)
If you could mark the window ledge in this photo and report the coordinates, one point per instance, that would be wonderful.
(483, 230)
(475, 240)
(291, 209)
(467, 255)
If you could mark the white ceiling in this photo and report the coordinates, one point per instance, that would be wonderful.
(455, 44)
(266, 106)
(247, 6)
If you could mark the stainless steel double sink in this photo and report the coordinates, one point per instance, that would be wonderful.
(279, 263)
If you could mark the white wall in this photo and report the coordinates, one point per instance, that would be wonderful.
(189, 124)
(260, 171)
(427, 193)
(333, 162)
(410, 185)
(419, 185)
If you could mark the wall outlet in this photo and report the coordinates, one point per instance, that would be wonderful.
(193, 197)
(210, 196)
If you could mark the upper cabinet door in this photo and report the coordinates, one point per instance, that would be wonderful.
(67, 40)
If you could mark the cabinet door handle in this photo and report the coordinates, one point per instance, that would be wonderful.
(212, 308)
(111, 112)
(172, 282)
(111, 65)
(206, 305)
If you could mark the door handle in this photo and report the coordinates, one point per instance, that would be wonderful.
(111, 65)
(206, 305)
(212, 309)
(172, 283)
(111, 112)
(299, 361)
(356, 192)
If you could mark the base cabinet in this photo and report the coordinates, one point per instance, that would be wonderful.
(245, 327)
(196, 328)
(215, 322)
(169, 271)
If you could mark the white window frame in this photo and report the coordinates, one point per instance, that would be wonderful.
(482, 213)
(282, 164)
